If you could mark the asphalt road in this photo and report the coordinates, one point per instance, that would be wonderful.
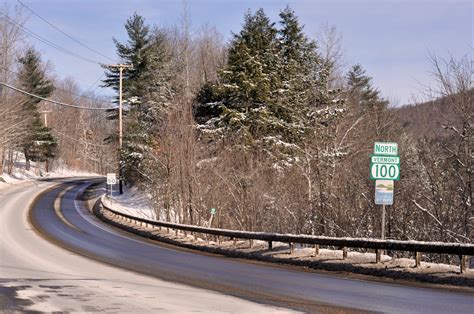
(36, 275)
(247, 284)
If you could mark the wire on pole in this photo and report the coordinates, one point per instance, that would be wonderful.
(54, 101)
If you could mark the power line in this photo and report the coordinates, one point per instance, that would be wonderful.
(63, 32)
(66, 91)
(53, 101)
(77, 140)
(47, 42)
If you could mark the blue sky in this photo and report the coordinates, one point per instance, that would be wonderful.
(390, 38)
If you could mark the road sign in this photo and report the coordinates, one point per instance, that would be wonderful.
(111, 178)
(384, 172)
(380, 159)
(386, 148)
(384, 192)
(213, 211)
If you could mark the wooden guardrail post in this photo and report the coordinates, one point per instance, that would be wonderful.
(417, 259)
(292, 248)
(316, 250)
(378, 254)
(462, 263)
(270, 245)
(344, 252)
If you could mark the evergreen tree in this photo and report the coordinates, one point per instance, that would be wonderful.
(248, 77)
(38, 144)
(273, 83)
(144, 51)
(135, 52)
(361, 90)
(150, 110)
(244, 103)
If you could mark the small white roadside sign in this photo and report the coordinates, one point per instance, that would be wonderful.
(111, 178)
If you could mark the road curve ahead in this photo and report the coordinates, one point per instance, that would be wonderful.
(73, 227)
(36, 275)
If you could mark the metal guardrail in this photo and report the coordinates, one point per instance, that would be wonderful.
(460, 249)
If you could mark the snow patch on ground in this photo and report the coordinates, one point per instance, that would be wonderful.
(131, 202)
(21, 175)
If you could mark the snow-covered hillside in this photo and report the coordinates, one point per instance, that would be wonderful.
(19, 173)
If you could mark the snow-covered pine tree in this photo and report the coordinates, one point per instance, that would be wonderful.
(263, 100)
(38, 143)
(147, 114)
(135, 52)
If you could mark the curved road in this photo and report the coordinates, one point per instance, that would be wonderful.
(36, 275)
(71, 226)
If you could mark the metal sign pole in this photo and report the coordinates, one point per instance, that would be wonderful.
(383, 222)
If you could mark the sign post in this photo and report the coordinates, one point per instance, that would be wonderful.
(111, 180)
(213, 212)
(384, 169)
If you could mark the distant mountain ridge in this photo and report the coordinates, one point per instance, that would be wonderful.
(426, 120)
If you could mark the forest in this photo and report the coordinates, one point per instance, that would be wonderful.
(270, 128)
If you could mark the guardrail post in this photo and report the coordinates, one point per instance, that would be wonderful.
(344, 253)
(292, 248)
(417, 259)
(462, 263)
(270, 245)
(235, 241)
(251, 243)
(316, 250)
(176, 232)
(378, 254)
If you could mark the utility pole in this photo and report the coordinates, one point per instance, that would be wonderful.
(46, 163)
(45, 117)
(121, 67)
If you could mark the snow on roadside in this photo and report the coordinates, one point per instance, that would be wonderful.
(131, 202)
(21, 175)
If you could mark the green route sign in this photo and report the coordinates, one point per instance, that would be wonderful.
(385, 163)
(386, 148)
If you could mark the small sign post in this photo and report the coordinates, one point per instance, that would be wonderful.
(111, 180)
(213, 212)
(384, 169)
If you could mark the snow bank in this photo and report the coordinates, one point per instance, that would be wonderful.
(20, 174)
(131, 202)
